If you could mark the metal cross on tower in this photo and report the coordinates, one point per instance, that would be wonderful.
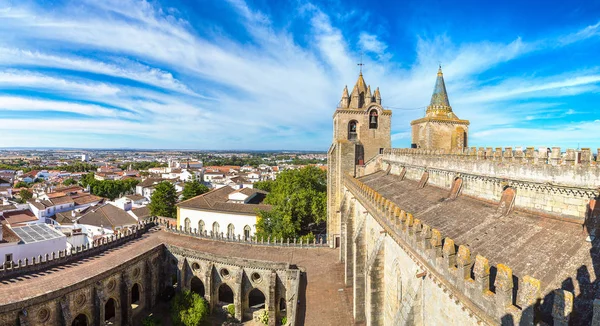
(361, 64)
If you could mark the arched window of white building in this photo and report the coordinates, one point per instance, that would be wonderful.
(201, 226)
(247, 231)
(215, 228)
(187, 224)
(230, 231)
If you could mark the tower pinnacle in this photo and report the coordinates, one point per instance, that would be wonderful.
(439, 105)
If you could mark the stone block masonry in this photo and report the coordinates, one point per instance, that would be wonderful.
(555, 186)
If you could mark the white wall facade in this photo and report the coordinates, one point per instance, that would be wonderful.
(29, 250)
(239, 221)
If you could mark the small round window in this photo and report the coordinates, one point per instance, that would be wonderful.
(224, 273)
(255, 277)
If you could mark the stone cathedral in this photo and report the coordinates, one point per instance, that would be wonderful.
(446, 234)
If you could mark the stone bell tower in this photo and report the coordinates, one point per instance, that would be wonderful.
(361, 130)
(440, 128)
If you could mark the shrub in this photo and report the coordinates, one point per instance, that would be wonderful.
(231, 309)
(284, 320)
(188, 309)
(264, 317)
(150, 321)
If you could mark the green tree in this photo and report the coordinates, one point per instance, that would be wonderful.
(69, 182)
(25, 195)
(299, 199)
(108, 188)
(265, 185)
(21, 184)
(188, 309)
(193, 189)
(162, 202)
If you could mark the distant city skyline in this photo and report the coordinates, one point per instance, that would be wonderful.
(268, 75)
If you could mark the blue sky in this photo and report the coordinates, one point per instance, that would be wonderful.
(230, 74)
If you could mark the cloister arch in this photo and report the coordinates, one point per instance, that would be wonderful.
(225, 294)
(256, 301)
(110, 311)
(135, 296)
(197, 286)
(80, 320)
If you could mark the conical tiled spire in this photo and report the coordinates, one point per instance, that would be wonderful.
(440, 105)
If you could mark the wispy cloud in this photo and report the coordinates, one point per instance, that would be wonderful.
(152, 77)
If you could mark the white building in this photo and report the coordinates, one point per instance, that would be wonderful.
(224, 210)
(19, 243)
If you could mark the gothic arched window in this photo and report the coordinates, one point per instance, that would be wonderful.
(187, 224)
(201, 226)
(215, 228)
(373, 119)
(352, 129)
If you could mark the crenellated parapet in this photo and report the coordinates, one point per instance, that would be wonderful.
(541, 156)
(546, 181)
(239, 238)
(76, 253)
(489, 292)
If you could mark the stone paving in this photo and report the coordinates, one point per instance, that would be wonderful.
(326, 300)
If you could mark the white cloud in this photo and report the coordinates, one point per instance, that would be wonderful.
(267, 92)
(11, 103)
(371, 43)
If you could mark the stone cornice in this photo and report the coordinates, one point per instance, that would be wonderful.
(523, 184)
(441, 120)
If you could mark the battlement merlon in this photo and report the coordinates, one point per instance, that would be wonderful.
(571, 168)
(452, 266)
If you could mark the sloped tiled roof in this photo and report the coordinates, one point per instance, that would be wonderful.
(135, 197)
(61, 200)
(149, 182)
(107, 216)
(216, 200)
(141, 212)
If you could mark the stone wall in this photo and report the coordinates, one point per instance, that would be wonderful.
(341, 157)
(554, 185)
(90, 296)
(278, 282)
(413, 275)
(151, 273)
(446, 135)
(427, 278)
